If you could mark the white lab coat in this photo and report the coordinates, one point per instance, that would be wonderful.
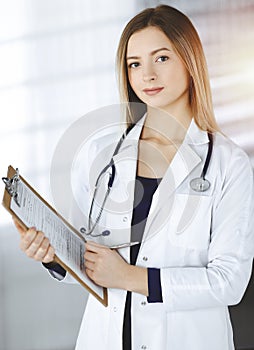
(202, 242)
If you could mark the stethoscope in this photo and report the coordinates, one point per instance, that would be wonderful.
(199, 184)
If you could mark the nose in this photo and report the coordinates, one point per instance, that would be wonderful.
(149, 73)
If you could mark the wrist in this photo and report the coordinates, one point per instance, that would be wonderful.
(136, 279)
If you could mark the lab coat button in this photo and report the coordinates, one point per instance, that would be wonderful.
(143, 303)
(143, 347)
(145, 258)
(125, 218)
(115, 309)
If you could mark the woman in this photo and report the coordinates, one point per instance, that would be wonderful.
(173, 290)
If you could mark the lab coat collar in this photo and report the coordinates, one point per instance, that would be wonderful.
(194, 135)
(129, 149)
(133, 136)
(186, 158)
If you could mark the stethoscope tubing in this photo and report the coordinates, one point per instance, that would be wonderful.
(199, 184)
(209, 155)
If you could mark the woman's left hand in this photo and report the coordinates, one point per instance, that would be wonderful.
(105, 266)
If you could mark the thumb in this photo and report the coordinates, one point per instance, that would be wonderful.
(21, 228)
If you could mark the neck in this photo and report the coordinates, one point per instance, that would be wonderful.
(165, 128)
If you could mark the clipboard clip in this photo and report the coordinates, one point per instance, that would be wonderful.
(11, 186)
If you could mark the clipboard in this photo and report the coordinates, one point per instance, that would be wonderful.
(30, 209)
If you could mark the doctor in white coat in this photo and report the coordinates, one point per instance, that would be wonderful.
(196, 250)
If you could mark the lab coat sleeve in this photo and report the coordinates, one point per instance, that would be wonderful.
(225, 278)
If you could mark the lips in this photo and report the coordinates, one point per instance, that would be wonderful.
(153, 91)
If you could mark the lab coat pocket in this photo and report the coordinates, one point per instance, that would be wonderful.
(190, 222)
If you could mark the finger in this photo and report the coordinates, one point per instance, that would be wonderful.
(90, 274)
(35, 245)
(28, 238)
(42, 250)
(95, 247)
(95, 244)
(90, 256)
(89, 265)
(50, 256)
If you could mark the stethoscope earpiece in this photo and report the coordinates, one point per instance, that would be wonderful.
(105, 233)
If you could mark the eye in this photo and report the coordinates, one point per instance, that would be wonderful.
(134, 65)
(162, 59)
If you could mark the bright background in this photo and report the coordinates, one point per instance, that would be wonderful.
(56, 64)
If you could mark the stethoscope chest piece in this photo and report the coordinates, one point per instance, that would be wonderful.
(199, 184)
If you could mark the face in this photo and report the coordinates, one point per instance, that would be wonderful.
(156, 73)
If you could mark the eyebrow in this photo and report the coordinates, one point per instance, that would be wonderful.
(152, 53)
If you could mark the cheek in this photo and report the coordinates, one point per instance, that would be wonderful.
(176, 72)
(134, 80)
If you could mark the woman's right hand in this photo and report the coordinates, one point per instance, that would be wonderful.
(34, 244)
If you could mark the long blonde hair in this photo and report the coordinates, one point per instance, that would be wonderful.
(186, 42)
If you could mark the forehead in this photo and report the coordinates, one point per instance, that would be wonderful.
(148, 39)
